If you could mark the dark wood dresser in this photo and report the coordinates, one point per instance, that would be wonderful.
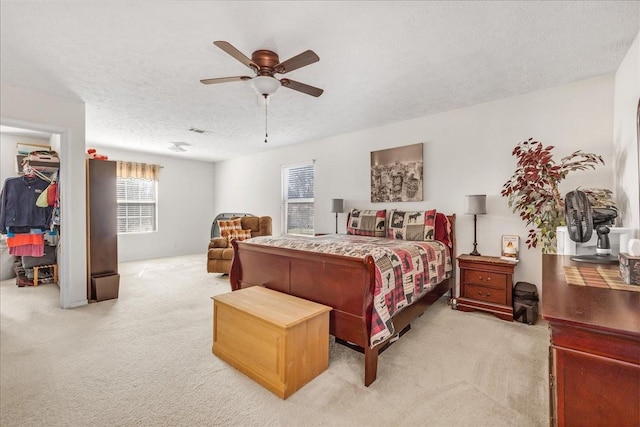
(594, 357)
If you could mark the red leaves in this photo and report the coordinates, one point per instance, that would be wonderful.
(533, 188)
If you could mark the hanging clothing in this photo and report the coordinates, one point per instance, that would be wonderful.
(25, 239)
(27, 250)
(18, 204)
(26, 244)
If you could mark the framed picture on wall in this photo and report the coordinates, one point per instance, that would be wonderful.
(510, 248)
(396, 174)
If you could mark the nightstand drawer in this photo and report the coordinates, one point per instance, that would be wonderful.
(483, 293)
(485, 279)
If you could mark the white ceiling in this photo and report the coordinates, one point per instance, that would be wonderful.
(137, 64)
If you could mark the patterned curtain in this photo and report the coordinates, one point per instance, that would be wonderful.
(137, 170)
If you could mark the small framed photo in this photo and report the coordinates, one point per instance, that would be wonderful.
(510, 249)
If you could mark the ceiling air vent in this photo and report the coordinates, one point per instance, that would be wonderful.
(200, 131)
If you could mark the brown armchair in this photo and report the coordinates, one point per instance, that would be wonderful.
(220, 253)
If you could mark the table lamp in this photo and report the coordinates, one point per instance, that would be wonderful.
(475, 204)
(337, 206)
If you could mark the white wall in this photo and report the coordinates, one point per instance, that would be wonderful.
(185, 208)
(41, 111)
(466, 151)
(627, 95)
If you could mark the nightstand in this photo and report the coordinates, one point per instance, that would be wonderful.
(486, 284)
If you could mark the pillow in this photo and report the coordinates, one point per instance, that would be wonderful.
(239, 235)
(251, 223)
(227, 226)
(443, 229)
(429, 224)
(406, 225)
(367, 222)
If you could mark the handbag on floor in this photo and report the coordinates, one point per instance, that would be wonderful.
(525, 303)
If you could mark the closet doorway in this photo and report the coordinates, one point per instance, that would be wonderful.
(49, 136)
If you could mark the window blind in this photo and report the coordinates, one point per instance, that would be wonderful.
(137, 205)
(298, 198)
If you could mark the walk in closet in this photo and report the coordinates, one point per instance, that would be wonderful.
(30, 216)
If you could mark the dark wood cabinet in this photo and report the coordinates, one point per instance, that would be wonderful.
(594, 356)
(102, 230)
(486, 284)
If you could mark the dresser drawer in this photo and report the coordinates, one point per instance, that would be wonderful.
(483, 293)
(485, 279)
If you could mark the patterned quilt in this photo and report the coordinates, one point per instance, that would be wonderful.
(405, 270)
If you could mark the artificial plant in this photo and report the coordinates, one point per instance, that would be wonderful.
(533, 189)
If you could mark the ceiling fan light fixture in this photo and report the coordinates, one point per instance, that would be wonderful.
(177, 147)
(265, 85)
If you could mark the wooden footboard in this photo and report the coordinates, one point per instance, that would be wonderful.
(346, 284)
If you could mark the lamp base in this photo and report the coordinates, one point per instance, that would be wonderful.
(475, 239)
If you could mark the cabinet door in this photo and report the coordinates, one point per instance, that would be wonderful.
(102, 217)
(553, 395)
(596, 391)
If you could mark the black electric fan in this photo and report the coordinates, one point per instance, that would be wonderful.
(582, 219)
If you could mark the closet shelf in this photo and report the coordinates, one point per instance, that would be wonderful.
(22, 280)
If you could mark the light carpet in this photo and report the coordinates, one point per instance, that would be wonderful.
(145, 359)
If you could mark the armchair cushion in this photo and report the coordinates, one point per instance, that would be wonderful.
(227, 226)
(219, 242)
(239, 235)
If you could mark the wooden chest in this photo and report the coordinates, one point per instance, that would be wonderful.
(278, 340)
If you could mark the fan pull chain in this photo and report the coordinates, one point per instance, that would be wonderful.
(266, 116)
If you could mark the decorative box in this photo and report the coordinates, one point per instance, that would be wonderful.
(630, 269)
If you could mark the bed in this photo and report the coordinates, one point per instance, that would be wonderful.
(356, 275)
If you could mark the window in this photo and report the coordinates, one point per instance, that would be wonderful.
(297, 197)
(137, 201)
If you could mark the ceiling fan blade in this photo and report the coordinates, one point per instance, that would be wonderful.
(224, 79)
(301, 87)
(227, 47)
(298, 61)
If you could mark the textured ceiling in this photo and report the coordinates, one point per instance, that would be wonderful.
(137, 64)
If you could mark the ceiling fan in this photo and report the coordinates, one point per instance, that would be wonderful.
(265, 64)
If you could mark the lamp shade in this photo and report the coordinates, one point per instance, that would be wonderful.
(265, 85)
(337, 205)
(475, 204)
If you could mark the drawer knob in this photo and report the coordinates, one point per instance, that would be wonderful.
(487, 294)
